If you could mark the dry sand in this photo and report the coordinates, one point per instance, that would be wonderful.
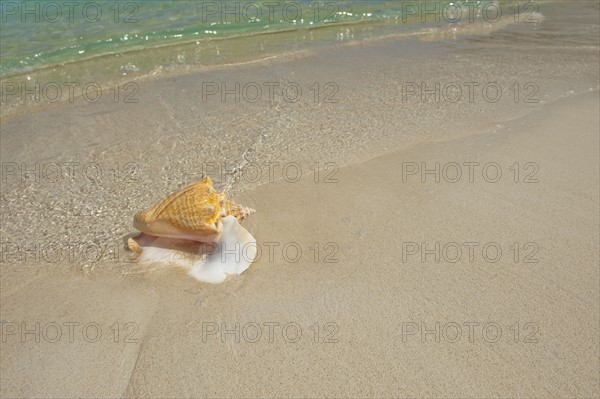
(368, 308)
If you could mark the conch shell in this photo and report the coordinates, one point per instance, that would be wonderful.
(192, 213)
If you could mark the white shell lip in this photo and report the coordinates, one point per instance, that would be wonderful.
(235, 253)
(210, 262)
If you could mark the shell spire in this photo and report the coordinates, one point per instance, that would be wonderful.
(231, 208)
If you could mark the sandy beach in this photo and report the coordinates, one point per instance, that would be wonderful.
(407, 247)
(368, 299)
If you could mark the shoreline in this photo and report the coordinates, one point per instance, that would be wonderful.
(366, 32)
(430, 226)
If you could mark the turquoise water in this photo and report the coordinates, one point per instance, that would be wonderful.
(37, 34)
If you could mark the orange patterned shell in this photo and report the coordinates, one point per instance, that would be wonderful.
(195, 208)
